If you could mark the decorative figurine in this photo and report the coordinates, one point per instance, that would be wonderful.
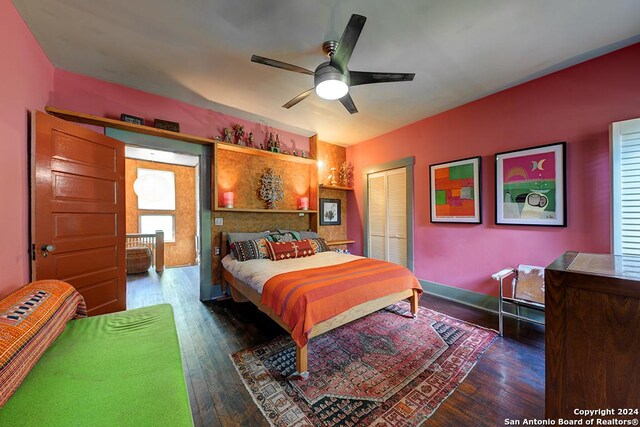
(239, 131)
(332, 178)
(303, 154)
(250, 140)
(274, 145)
(346, 174)
(271, 189)
(227, 136)
(295, 153)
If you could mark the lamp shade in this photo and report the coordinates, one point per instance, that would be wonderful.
(228, 199)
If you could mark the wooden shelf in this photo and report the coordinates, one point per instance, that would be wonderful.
(340, 242)
(335, 187)
(89, 119)
(283, 211)
(263, 153)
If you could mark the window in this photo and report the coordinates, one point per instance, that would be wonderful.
(625, 160)
(156, 189)
(150, 223)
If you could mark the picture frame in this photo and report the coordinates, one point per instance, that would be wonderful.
(455, 191)
(166, 125)
(330, 212)
(531, 186)
(132, 119)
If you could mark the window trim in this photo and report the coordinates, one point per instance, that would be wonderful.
(173, 223)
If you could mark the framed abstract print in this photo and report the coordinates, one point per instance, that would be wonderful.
(455, 191)
(531, 186)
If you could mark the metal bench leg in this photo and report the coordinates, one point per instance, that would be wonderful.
(500, 308)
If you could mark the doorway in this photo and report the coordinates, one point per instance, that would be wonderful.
(201, 155)
(388, 196)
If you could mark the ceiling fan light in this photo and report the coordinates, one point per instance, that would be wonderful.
(332, 89)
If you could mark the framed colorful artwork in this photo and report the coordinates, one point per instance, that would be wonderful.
(455, 191)
(531, 186)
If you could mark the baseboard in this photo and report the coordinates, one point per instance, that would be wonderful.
(474, 299)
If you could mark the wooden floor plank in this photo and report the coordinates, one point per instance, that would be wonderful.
(507, 382)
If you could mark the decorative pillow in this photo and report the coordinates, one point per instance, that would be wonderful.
(242, 237)
(287, 250)
(287, 236)
(318, 245)
(31, 318)
(309, 235)
(250, 249)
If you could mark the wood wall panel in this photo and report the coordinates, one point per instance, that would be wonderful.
(182, 251)
(240, 173)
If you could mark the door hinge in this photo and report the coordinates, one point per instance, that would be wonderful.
(33, 252)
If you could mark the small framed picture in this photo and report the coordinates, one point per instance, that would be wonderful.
(132, 119)
(531, 186)
(166, 125)
(329, 211)
(455, 191)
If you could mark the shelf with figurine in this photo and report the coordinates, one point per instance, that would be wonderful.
(235, 139)
(339, 180)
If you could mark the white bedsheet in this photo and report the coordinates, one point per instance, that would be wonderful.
(256, 272)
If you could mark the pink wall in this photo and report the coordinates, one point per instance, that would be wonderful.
(26, 81)
(575, 105)
(85, 94)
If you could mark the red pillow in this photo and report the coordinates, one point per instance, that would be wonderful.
(287, 250)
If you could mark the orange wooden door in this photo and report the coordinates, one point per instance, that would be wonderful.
(78, 211)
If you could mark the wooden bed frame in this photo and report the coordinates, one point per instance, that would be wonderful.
(350, 315)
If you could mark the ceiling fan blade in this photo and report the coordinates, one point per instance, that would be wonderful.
(365, 77)
(298, 98)
(348, 41)
(279, 64)
(348, 104)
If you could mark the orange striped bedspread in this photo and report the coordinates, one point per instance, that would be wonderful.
(304, 298)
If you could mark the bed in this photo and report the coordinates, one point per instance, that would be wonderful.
(248, 279)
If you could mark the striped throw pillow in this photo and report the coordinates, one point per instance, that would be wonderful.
(319, 245)
(250, 249)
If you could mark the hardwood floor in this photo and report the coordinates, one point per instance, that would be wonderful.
(507, 382)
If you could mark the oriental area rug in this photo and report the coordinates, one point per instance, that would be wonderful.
(385, 369)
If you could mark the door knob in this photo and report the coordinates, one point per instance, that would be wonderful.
(46, 249)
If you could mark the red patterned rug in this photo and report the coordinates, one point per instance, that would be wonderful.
(386, 369)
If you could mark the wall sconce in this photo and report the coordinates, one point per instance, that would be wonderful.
(228, 199)
(303, 203)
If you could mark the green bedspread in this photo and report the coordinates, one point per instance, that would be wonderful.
(120, 369)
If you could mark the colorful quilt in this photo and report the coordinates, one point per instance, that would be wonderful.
(31, 318)
(305, 298)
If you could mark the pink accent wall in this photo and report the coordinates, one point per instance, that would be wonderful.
(85, 94)
(576, 105)
(26, 82)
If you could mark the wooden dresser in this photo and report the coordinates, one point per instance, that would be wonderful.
(592, 333)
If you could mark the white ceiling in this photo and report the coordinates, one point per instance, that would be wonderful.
(198, 51)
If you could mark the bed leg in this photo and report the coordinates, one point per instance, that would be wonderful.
(414, 303)
(301, 363)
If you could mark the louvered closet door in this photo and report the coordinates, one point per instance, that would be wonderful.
(388, 216)
(397, 216)
(626, 192)
(377, 216)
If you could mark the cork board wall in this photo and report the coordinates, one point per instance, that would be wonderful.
(332, 156)
(182, 251)
(240, 173)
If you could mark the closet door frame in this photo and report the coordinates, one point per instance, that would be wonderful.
(407, 163)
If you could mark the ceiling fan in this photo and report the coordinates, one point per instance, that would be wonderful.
(332, 79)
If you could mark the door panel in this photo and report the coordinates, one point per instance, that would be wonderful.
(78, 208)
(387, 215)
